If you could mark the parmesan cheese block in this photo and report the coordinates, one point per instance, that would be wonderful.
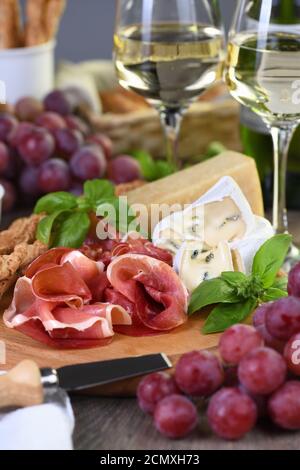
(186, 186)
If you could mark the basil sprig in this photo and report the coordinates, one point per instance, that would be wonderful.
(67, 222)
(236, 294)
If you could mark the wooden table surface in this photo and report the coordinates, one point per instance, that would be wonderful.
(118, 424)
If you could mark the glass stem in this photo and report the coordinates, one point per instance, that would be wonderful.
(282, 136)
(171, 121)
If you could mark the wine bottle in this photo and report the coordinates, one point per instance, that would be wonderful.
(255, 136)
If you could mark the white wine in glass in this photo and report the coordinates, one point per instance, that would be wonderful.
(263, 73)
(169, 52)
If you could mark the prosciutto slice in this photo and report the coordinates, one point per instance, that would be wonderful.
(54, 304)
(155, 290)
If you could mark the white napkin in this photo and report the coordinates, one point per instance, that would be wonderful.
(44, 427)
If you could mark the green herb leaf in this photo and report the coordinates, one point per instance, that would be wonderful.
(163, 169)
(281, 282)
(46, 225)
(73, 230)
(273, 293)
(270, 257)
(54, 202)
(234, 278)
(147, 164)
(211, 292)
(225, 315)
(98, 190)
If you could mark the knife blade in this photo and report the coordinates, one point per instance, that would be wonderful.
(26, 384)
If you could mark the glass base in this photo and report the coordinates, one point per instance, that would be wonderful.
(293, 257)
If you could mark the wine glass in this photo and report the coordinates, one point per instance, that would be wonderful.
(169, 52)
(263, 73)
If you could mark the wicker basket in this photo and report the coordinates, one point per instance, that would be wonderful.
(205, 122)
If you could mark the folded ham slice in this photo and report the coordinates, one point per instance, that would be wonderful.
(158, 295)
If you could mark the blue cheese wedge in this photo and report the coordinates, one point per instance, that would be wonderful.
(195, 262)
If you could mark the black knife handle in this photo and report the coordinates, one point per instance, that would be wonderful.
(49, 378)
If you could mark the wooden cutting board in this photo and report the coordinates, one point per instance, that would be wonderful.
(183, 339)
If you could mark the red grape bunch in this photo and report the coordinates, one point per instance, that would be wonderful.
(255, 375)
(46, 146)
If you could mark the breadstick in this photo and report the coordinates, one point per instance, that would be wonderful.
(35, 25)
(18, 33)
(7, 38)
(54, 12)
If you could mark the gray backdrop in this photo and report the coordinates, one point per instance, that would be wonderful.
(87, 28)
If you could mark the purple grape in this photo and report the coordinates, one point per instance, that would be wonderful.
(79, 98)
(294, 281)
(75, 123)
(67, 142)
(104, 142)
(88, 163)
(59, 102)
(259, 321)
(19, 132)
(153, 388)
(237, 341)
(284, 406)
(76, 187)
(231, 413)
(262, 371)
(29, 181)
(4, 158)
(8, 124)
(36, 146)
(10, 195)
(50, 121)
(175, 416)
(292, 354)
(54, 175)
(199, 373)
(124, 169)
(27, 108)
(283, 318)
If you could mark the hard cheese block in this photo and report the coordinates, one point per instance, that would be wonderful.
(186, 186)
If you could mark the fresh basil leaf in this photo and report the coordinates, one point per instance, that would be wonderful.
(98, 190)
(280, 282)
(147, 164)
(46, 225)
(234, 278)
(211, 292)
(225, 315)
(273, 293)
(54, 202)
(163, 169)
(73, 230)
(270, 257)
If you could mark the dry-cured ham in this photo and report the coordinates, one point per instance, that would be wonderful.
(155, 290)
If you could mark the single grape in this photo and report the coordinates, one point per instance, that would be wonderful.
(67, 142)
(284, 406)
(237, 341)
(105, 143)
(124, 169)
(79, 98)
(292, 354)
(294, 281)
(283, 318)
(10, 195)
(54, 175)
(231, 413)
(75, 123)
(8, 124)
(175, 416)
(59, 101)
(259, 321)
(36, 147)
(4, 158)
(262, 371)
(14, 167)
(19, 132)
(76, 187)
(28, 181)
(50, 121)
(261, 401)
(199, 373)
(28, 108)
(88, 163)
(154, 388)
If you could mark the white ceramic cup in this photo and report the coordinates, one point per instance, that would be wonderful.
(26, 71)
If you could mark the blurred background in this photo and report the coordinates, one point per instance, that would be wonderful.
(87, 28)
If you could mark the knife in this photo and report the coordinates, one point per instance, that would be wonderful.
(26, 384)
